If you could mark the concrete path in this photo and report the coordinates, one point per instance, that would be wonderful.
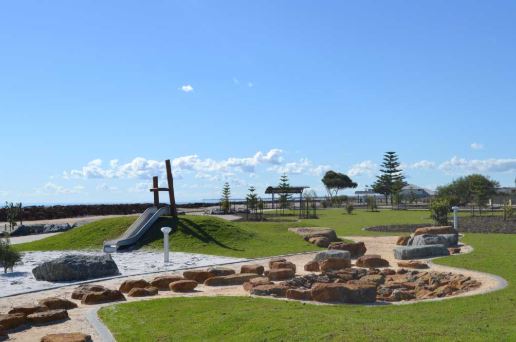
(29, 238)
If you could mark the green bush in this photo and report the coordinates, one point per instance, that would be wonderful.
(439, 210)
(508, 211)
(371, 203)
(8, 256)
(349, 208)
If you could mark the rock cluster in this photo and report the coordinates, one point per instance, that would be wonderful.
(321, 237)
(427, 242)
(355, 249)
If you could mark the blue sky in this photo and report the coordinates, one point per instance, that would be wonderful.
(94, 95)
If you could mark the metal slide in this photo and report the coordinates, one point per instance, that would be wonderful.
(136, 230)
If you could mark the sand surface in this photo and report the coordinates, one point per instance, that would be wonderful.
(79, 322)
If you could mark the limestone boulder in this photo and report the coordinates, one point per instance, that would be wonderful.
(197, 275)
(163, 282)
(130, 284)
(275, 260)
(221, 271)
(252, 268)
(299, 294)
(402, 240)
(67, 337)
(81, 290)
(281, 274)
(312, 266)
(248, 285)
(435, 230)
(233, 279)
(372, 261)
(334, 264)
(27, 309)
(55, 303)
(143, 292)
(76, 267)
(355, 249)
(48, 317)
(334, 254)
(283, 264)
(320, 241)
(418, 252)
(276, 290)
(434, 239)
(105, 296)
(183, 285)
(413, 264)
(12, 321)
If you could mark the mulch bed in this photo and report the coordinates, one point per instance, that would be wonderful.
(468, 224)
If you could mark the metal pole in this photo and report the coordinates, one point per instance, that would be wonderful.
(455, 218)
(166, 231)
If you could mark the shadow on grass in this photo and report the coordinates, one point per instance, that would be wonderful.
(185, 227)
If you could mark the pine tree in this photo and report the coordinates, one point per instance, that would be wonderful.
(252, 200)
(225, 202)
(391, 179)
(285, 196)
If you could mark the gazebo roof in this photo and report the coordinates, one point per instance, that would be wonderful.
(289, 190)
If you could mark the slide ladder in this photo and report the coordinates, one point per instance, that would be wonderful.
(136, 230)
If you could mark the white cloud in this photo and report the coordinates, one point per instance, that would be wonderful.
(422, 164)
(140, 187)
(366, 167)
(52, 188)
(461, 165)
(187, 88)
(476, 146)
(303, 166)
(106, 188)
(250, 84)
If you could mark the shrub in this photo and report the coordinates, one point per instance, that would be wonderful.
(439, 210)
(508, 211)
(371, 203)
(8, 256)
(349, 208)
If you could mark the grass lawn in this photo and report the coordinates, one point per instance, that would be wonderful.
(490, 317)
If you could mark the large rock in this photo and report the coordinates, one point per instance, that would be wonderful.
(343, 293)
(130, 284)
(307, 233)
(433, 239)
(27, 309)
(55, 303)
(320, 241)
(76, 267)
(435, 230)
(283, 264)
(81, 290)
(402, 240)
(183, 285)
(255, 282)
(233, 279)
(51, 316)
(312, 266)
(275, 260)
(143, 292)
(252, 268)
(299, 294)
(280, 274)
(372, 261)
(334, 254)
(163, 282)
(66, 337)
(418, 252)
(12, 321)
(221, 271)
(105, 296)
(355, 249)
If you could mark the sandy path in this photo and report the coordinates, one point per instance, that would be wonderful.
(79, 322)
(29, 238)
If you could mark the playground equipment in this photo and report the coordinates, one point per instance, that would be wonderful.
(136, 230)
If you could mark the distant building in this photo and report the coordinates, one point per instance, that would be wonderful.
(415, 191)
(506, 190)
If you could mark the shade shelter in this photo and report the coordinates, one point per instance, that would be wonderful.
(276, 190)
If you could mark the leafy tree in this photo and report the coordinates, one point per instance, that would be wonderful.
(225, 200)
(371, 203)
(349, 208)
(12, 212)
(336, 181)
(474, 188)
(439, 210)
(8, 256)
(285, 196)
(391, 178)
(252, 200)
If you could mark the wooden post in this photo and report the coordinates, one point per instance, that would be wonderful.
(170, 180)
(155, 190)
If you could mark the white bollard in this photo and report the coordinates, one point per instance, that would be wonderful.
(455, 219)
(166, 231)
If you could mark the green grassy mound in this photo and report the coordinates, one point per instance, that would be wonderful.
(490, 317)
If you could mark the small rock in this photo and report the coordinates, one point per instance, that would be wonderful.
(105, 296)
(273, 260)
(312, 266)
(143, 292)
(333, 264)
(320, 241)
(413, 264)
(50, 316)
(28, 309)
(233, 279)
(252, 268)
(355, 249)
(183, 285)
(276, 290)
(248, 285)
(280, 274)
(332, 254)
(81, 290)
(435, 230)
(54, 303)
(198, 275)
(299, 294)
(403, 240)
(372, 261)
(128, 285)
(283, 264)
(221, 271)
(163, 282)
(66, 337)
